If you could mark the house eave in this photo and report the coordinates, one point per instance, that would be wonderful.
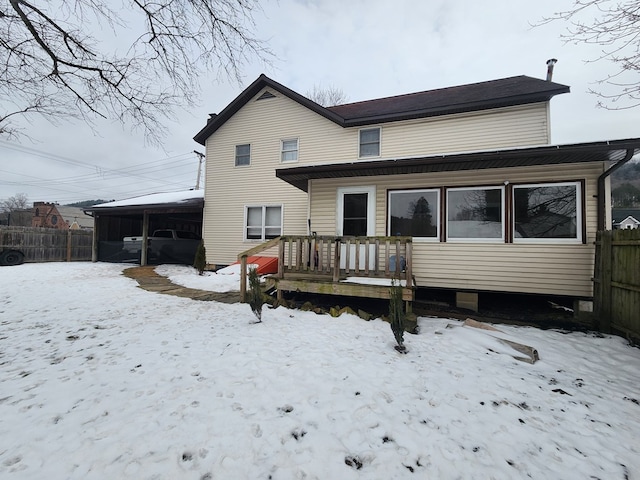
(608, 151)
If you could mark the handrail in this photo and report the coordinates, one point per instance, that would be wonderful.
(242, 257)
(336, 256)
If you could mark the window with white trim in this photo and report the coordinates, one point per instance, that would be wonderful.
(414, 213)
(547, 211)
(289, 150)
(243, 155)
(475, 214)
(263, 222)
(369, 142)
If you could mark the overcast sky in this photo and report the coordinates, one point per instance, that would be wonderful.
(367, 48)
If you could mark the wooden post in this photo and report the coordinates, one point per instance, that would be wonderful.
(94, 241)
(605, 285)
(409, 262)
(145, 236)
(281, 258)
(336, 261)
(69, 240)
(243, 279)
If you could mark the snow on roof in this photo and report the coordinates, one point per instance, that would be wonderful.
(155, 199)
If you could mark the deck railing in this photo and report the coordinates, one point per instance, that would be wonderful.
(335, 258)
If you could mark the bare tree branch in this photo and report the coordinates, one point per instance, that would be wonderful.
(615, 26)
(53, 65)
(327, 96)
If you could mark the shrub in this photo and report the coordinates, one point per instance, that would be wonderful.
(200, 262)
(256, 299)
(397, 315)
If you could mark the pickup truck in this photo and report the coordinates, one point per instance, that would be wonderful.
(165, 246)
(11, 256)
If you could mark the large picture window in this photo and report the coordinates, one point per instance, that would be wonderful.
(263, 222)
(547, 211)
(475, 214)
(414, 213)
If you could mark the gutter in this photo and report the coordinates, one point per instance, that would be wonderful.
(601, 179)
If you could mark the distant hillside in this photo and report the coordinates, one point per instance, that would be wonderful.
(625, 185)
(87, 203)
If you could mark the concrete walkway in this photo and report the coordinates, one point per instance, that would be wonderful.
(149, 280)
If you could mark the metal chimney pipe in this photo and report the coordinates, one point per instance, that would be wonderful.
(550, 63)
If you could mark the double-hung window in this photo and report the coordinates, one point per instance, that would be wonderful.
(369, 142)
(263, 222)
(547, 211)
(243, 155)
(289, 150)
(414, 213)
(475, 214)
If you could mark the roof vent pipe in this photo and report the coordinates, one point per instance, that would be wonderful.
(550, 63)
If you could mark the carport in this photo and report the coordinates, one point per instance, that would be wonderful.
(140, 216)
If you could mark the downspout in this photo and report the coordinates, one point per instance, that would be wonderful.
(601, 179)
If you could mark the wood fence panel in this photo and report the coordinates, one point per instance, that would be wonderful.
(617, 282)
(48, 244)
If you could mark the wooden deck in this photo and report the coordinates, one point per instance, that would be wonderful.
(349, 266)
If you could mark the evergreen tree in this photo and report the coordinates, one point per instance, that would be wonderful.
(397, 315)
(256, 300)
(200, 261)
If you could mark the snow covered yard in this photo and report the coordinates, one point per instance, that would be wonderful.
(100, 379)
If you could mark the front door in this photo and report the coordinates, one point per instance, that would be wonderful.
(356, 217)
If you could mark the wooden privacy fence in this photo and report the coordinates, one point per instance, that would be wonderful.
(47, 244)
(617, 282)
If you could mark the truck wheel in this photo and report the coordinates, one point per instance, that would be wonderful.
(11, 257)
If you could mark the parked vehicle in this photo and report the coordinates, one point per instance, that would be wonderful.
(165, 246)
(11, 256)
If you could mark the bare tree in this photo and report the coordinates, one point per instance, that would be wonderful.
(327, 96)
(615, 26)
(83, 59)
(17, 202)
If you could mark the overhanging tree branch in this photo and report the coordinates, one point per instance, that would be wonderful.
(49, 61)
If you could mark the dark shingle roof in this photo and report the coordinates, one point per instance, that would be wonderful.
(476, 96)
(518, 90)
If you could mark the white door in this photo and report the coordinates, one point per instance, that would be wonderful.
(356, 216)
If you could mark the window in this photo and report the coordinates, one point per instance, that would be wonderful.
(547, 211)
(370, 142)
(475, 213)
(263, 222)
(414, 213)
(289, 151)
(243, 155)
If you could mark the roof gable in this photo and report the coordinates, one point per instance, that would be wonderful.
(464, 98)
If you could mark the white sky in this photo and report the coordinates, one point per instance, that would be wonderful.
(367, 48)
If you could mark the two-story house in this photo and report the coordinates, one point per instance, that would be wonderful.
(466, 173)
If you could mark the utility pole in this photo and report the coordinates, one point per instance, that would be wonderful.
(201, 157)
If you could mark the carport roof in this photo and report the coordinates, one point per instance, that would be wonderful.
(173, 201)
(612, 150)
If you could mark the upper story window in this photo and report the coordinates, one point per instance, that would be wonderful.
(415, 213)
(243, 155)
(289, 150)
(369, 142)
(475, 214)
(547, 211)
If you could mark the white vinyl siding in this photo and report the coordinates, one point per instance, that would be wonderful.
(264, 124)
(549, 268)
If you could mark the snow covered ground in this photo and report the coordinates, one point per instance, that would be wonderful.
(102, 380)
